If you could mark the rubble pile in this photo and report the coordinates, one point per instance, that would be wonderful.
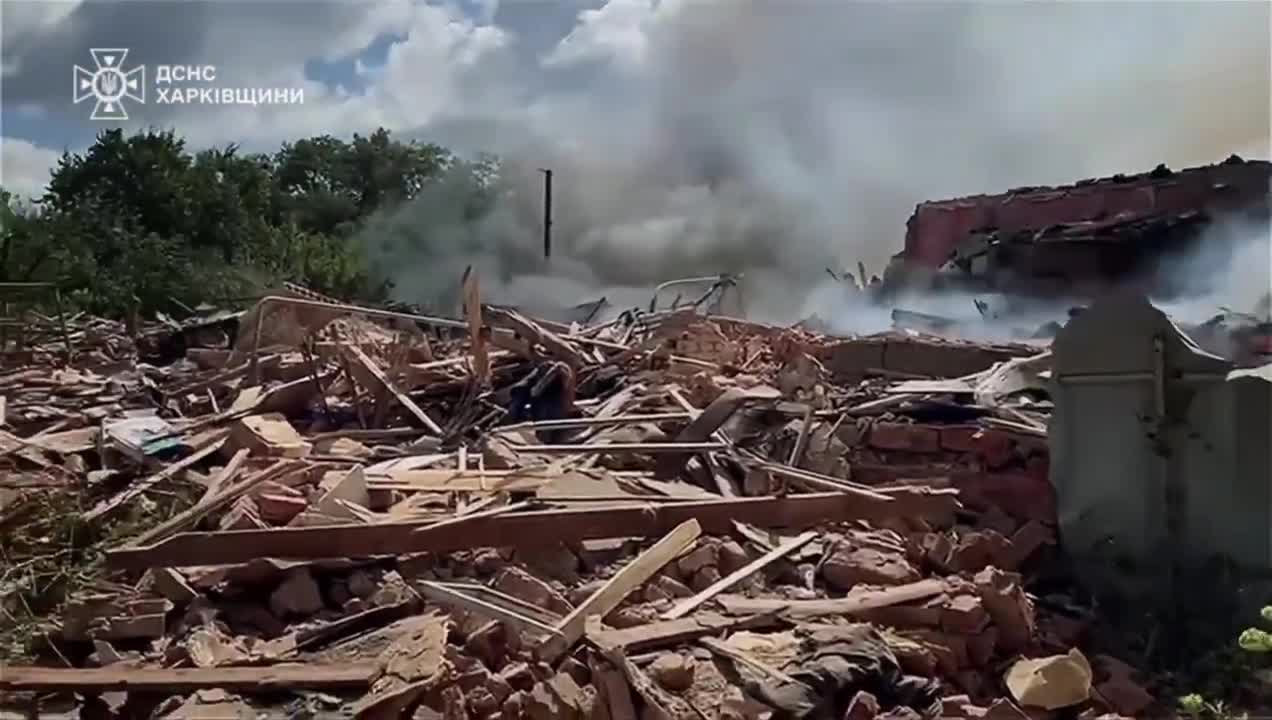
(665, 516)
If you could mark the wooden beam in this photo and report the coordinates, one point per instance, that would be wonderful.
(655, 635)
(189, 517)
(688, 605)
(463, 481)
(478, 340)
(853, 603)
(184, 680)
(631, 576)
(227, 473)
(140, 486)
(455, 597)
(530, 529)
(378, 377)
(648, 448)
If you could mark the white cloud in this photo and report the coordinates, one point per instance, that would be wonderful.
(616, 32)
(24, 167)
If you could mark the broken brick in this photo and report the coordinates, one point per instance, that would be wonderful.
(1008, 606)
(980, 646)
(671, 586)
(673, 671)
(733, 557)
(278, 508)
(964, 614)
(910, 438)
(994, 447)
(847, 567)
(297, 595)
(524, 586)
(706, 553)
(959, 438)
(517, 676)
(979, 548)
(1025, 542)
(704, 578)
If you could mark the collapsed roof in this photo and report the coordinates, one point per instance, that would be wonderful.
(1092, 232)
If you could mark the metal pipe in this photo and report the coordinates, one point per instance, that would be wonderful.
(547, 212)
(653, 302)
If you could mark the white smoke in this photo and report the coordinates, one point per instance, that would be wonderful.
(779, 139)
(1229, 270)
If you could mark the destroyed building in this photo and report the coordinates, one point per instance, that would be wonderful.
(313, 508)
(1080, 238)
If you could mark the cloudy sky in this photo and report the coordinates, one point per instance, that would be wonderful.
(688, 134)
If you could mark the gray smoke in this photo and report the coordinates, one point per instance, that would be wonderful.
(780, 139)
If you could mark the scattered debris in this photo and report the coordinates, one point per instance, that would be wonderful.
(669, 515)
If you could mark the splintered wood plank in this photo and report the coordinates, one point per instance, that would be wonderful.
(183, 680)
(631, 576)
(529, 529)
(223, 498)
(462, 481)
(853, 603)
(688, 605)
(666, 633)
(472, 312)
(384, 383)
(142, 486)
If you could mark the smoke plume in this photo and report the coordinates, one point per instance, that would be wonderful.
(781, 139)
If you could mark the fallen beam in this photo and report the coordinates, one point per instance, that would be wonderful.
(657, 635)
(688, 605)
(377, 377)
(853, 603)
(184, 680)
(528, 529)
(623, 583)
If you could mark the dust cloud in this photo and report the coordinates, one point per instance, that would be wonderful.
(781, 139)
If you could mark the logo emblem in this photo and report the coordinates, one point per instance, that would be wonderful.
(109, 84)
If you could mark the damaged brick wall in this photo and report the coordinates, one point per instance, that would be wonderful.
(936, 228)
(731, 341)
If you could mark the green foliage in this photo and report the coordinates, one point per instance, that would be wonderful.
(139, 224)
(1254, 639)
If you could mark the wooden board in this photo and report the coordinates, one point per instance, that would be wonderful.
(631, 576)
(183, 680)
(528, 529)
(688, 605)
(461, 481)
(854, 603)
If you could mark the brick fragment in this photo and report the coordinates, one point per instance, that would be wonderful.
(297, 595)
(959, 438)
(280, 508)
(978, 549)
(673, 671)
(901, 436)
(732, 557)
(994, 447)
(706, 553)
(964, 614)
(524, 586)
(848, 566)
(1008, 606)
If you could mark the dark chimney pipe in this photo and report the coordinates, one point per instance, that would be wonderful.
(547, 212)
